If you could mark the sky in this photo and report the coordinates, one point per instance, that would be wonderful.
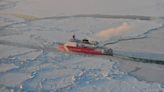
(71, 7)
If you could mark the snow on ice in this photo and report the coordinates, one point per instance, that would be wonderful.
(30, 29)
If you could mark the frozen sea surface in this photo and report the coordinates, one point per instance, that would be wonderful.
(29, 34)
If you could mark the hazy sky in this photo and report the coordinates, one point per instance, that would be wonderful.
(67, 7)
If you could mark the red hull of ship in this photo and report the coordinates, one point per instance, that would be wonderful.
(80, 50)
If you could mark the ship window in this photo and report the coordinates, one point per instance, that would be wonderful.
(86, 41)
